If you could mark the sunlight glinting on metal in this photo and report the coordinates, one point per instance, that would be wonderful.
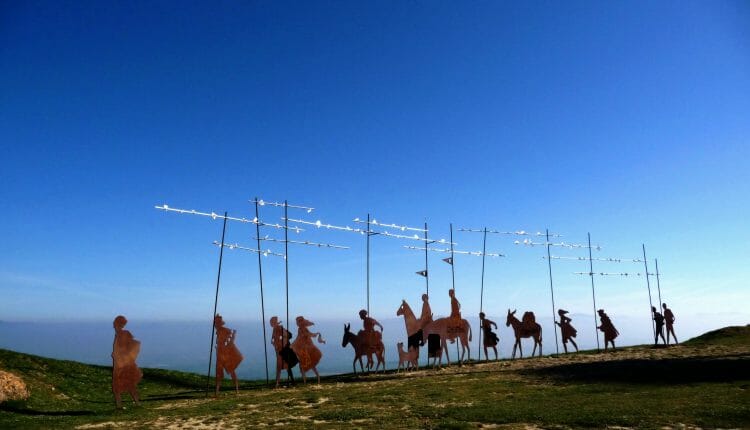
(214, 215)
(528, 242)
(614, 260)
(320, 224)
(233, 246)
(298, 242)
(509, 233)
(394, 226)
(475, 253)
(261, 202)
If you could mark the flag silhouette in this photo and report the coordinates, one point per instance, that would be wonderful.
(449, 260)
(422, 273)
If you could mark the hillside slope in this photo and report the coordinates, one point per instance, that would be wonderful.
(705, 382)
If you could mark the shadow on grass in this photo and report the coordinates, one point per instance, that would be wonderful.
(641, 371)
(20, 408)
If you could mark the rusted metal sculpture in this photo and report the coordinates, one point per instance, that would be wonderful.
(308, 354)
(669, 319)
(125, 372)
(449, 329)
(413, 325)
(407, 359)
(490, 339)
(659, 321)
(228, 357)
(609, 330)
(285, 357)
(362, 348)
(526, 328)
(567, 331)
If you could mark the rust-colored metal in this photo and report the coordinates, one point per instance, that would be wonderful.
(449, 329)
(407, 360)
(308, 354)
(609, 330)
(567, 331)
(125, 372)
(285, 357)
(527, 327)
(228, 357)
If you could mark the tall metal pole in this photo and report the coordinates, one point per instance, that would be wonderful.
(453, 279)
(368, 264)
(552, 293)
(260, 275)
(648, 284)
(426, 272)
(481, 291)
(593, 293)
(286, 260)
(658, 286)
(216, 302)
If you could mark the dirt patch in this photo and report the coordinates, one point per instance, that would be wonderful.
(12, 387)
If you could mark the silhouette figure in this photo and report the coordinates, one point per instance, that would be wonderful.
(308, 354)
(669, 319)
(609, 330)
(527, 328)
(368, 334)
(285, 357)
(407, 360)
(490, 338)
(361, 347)
(455, 305)
(567, 331)
(228, 357)
(125, 372)
(413, 326)
(659, 320)
(434, 344)
(426, 316)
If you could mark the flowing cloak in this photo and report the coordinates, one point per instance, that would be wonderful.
(125, 373)
(610, 332)
(227, 355)
(568, 330)
(490, 338)
(288, 358)
(307, 353)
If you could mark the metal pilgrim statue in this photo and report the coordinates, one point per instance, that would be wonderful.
(228, 357)
(609, 330)
(567, 331)
(285, 357)
(308, 354)
(414, 329)
(659, 321)
(367, 342)
(490, 339)
(526, 328)
(125, 373)
(449, 329)
(669, 319)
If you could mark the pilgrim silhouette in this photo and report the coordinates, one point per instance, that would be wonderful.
(228, 357)
(125, 372)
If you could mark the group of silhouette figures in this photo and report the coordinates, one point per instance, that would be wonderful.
(368, 342)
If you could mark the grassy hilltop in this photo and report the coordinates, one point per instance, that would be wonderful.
(704, 382)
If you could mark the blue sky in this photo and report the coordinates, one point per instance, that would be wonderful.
(629, 121)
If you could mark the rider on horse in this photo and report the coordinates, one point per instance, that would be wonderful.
(372, 337)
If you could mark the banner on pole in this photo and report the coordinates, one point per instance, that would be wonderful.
(449, 260)
(422, 273)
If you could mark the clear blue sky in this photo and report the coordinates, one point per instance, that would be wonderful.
(626, 120)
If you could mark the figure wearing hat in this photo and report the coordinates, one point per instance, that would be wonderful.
(567, 331)
(373, 336)
(609, 330)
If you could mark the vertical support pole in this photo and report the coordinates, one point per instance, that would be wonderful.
(552, 293)
(216, 302)
(453, 282)
(648, 284)
(658, 286)
(368, 264)
(427, 272)
(286, 260)
(593, 293)
(260, 275)
(481, 292)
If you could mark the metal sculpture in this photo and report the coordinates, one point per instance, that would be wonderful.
(285, 357)
(609, 330)
(308, 354)
(407, 359)
(567, 330)
(526, 328)
(490, 338)
(659, 321)
(669, 319)
(125, 372)
(449, 329)
(362, 347)
(228, 357)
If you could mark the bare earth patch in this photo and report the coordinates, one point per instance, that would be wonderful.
(12, 387)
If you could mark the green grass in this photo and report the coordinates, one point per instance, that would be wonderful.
(704, 383)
